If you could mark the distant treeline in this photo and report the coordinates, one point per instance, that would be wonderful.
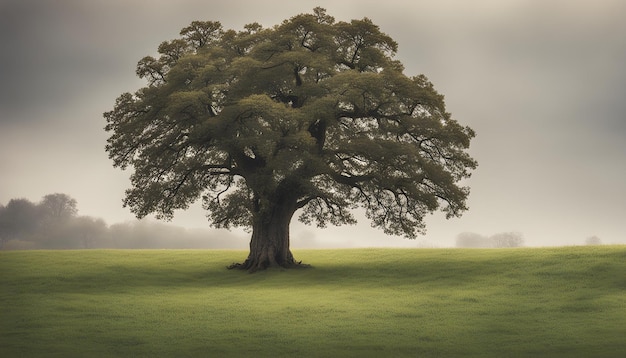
(53, 223)
(504, 239)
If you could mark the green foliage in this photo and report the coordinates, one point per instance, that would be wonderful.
(311, 114)
(557, 302)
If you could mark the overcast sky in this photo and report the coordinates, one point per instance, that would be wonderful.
(543, 83)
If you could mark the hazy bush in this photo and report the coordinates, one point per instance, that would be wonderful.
(473, 240)
(507, 239)
(504, 239)
(593, 240)
(19, 220)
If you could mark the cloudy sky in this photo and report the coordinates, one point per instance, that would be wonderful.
(543, 83)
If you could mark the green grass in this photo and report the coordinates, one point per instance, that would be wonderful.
(567, 302)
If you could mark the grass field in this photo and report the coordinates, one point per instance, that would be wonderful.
(530, 302)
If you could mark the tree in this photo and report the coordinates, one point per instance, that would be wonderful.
(508, 239)
(4, 226)
(87, 232)
(593, 240)
(57, 211)
(311, 115)
(58, 207)
(19, 219)
(503, 239)
(473, 240)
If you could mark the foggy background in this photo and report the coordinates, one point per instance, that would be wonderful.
(543, 83)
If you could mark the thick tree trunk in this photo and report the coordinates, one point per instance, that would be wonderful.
(269, 246)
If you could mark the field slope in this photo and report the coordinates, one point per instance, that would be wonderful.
(547, 302)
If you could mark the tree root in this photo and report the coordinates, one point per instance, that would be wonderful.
(253, 266)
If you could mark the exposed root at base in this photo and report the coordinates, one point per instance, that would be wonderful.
(253, 266)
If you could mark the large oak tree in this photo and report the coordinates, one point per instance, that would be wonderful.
(310, 116)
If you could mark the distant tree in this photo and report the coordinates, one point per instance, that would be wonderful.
(19, 219)
(56, 207)
(50, 224)
(56, 212)
(121, 235)
(507, 239)
(473, 240)
(143, 234)
(4, 233)
(311, 115)
(504, 239)
(593, 240)
(87, 232)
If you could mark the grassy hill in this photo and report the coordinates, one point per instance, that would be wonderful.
(539, 302)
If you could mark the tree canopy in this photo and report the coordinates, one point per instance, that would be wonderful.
(312, 116)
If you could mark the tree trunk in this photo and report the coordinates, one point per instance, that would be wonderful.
(269, 246)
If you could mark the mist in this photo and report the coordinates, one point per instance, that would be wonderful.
(542, 84)
(53, 223)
